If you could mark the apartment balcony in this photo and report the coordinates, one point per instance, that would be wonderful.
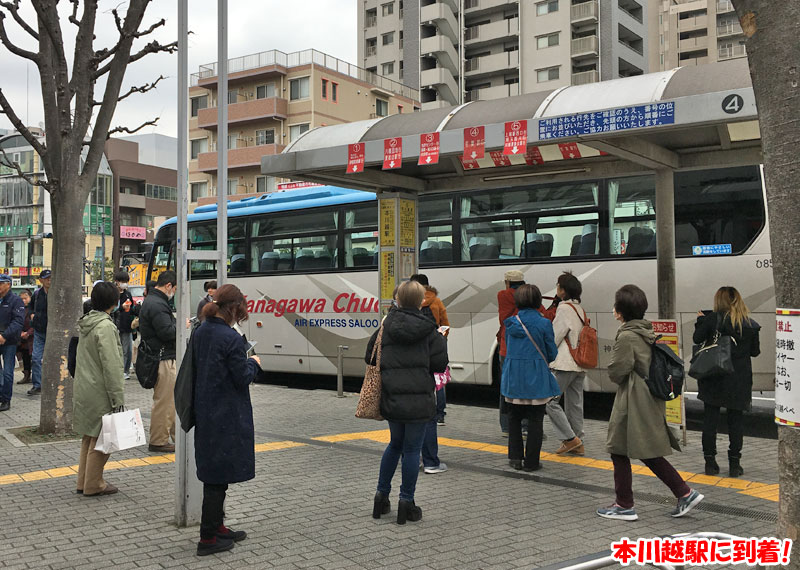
(729, 29)
(724, 6)
(443, 82)
(371, 21)
(497, 92)
(438, 104)
(731, 52)
(443, 49)
(245, 112)
(442, 16)
(585, 77)
(247, 157)
(491, 32)
(583, 13)
(477, 7)
(585, 47)
(693, 44)
(694, 61)
(694, 23)
(132, 201)
(491, 64)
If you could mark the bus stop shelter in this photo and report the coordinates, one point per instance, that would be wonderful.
(688, 118)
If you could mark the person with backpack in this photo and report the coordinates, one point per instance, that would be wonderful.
(730, 391)
(568, 328)
(638, 426)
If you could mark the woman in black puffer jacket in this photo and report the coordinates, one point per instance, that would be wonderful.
(411, 351)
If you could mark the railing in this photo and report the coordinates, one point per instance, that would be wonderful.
(729, 29)
(632, 47)
(372, 50)
(724, 6)
(636, 17)
(497, 92)
(305, 57)
(731, 52)
(583, 11)
(583, 45)
(371, 21)
(584, 77)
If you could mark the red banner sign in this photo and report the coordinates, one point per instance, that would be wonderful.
(428, 149)
(516, 139)
(468, 163)
(474, 142)
(132, 232)
(355, 158)
(533, 156)
(392, 153)
(569, 150)
(499, 158)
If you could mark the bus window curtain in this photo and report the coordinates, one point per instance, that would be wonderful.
(466, 207)
(349, 222)
(613, 195)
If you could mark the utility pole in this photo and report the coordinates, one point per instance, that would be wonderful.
(30, 245)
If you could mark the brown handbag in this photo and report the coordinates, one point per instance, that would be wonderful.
(369, 399)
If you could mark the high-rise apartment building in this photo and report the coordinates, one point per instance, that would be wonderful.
(455, 51)
(273, 98)
(693, 32)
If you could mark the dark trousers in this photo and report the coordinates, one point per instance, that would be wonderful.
(661, 468)
(213, 510)
(25, 357)
(735, 431)
(533, 447)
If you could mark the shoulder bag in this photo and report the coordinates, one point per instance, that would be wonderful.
(147, 362)
(713, 358)
(369, 399)
(184, 387)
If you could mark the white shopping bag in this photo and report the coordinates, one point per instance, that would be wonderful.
(121, 430)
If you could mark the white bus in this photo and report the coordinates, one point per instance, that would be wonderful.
(307, 261)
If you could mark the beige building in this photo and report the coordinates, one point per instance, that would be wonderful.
(693, 32)
(273, 98)
(456, 51)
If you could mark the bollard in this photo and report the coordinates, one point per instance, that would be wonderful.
(339, 372)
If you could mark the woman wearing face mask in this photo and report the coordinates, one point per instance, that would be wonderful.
(224, 437)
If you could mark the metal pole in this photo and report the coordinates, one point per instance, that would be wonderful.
(30, 245)
(665, 243)
(103, 248)
(222, 140)
(340, 370)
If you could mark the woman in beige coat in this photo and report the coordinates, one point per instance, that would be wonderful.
(638, 427)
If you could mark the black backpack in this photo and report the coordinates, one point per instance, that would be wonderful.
(665, 378)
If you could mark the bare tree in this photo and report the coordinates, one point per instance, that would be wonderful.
(773, 51)
(70, 153)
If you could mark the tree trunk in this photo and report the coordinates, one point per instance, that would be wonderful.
(773, 50)
(64, 307)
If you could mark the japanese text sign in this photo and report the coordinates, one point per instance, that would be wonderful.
(355, 158)
(680, 551)
(474, 142)
(392, 153)
(132, 232)
(428, 149)
(516, 139)
(787, 367)
(612, 120)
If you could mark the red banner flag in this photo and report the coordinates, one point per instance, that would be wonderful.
(392, 153)
(499, 158)
(474, 142)
(355, 158)
(569, 150)
(468, 163)
(533, 156)
(428, 149)
(516, 140)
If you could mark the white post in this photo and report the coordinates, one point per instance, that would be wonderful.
(188, 490)
(222, 140)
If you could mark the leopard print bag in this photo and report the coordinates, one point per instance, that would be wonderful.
(369, 399)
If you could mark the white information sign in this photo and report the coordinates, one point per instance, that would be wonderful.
(787, 367)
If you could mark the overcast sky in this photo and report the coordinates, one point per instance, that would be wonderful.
(254, 26)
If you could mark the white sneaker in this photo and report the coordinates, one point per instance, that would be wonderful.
(441, 468)
(127, 376)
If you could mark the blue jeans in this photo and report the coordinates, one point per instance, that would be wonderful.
(406, 441)
(8, 352)
(441, 403)
(36, 359)
(126, 339)
(430, 444)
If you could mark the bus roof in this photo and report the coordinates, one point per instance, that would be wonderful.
(302, 198)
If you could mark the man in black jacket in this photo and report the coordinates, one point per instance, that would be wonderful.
(12, 317)
(39, 320)
(126, 312)
(157, 327)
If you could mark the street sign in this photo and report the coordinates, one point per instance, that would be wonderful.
(516, 137)
(787, 367)
(355, 158)
(392, 153)
(474, 142)
(428, 149)
(611, 120)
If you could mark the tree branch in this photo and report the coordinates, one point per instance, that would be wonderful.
(13, 48)
(6, 161)
(74, 17)
(143, 89)
(8, 111)
(128, 131)
(13, 9)
(152, 47)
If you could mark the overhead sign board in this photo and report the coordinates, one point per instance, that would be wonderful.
(474, 142)
(428, 149)
(355, 158)
(392, 153)
(516, 137)
(611, 120)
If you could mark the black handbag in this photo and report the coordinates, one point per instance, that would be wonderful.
(713, 358)
(184, 387)
(147, 362)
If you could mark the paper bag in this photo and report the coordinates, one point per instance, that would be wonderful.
(121, 430)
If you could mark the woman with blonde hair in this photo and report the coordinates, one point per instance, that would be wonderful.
(731, 391)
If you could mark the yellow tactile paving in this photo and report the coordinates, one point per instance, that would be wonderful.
(61, 472)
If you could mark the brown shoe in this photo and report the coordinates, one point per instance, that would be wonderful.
(26, 377)
(569, 445)
(109, 490)
(578, 451)
(166, 448)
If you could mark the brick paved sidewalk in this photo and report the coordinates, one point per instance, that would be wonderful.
(310, 504)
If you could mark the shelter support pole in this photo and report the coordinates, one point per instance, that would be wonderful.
(665, 250)
(398, 255)
(188, 490)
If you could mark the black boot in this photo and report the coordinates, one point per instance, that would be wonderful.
(407, 510)
(213, 546)
(712, 468)
(735, 469)
(382, 505)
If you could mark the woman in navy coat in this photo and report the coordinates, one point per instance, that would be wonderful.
(223, 439)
